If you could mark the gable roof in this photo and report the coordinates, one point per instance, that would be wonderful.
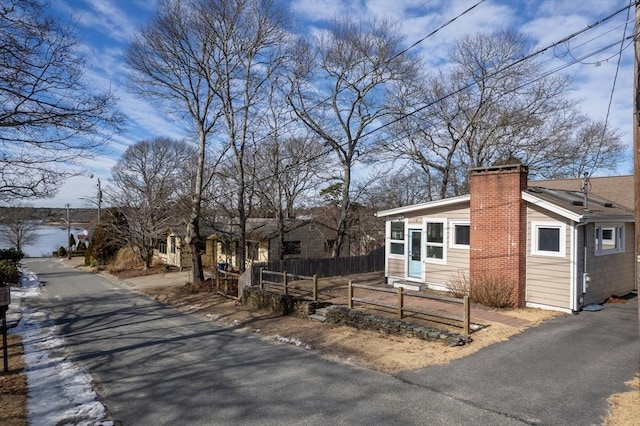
(259, 229)
(428, 205)
(610, 199)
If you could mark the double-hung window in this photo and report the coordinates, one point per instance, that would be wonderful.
(460, 232)
(435, 241)
(548, 239)
(609, 238)
(396, 243)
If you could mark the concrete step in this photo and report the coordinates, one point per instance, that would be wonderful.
(317, 317)
(409, 285)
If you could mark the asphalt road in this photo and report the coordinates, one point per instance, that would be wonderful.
(154, 365)
(560, 372)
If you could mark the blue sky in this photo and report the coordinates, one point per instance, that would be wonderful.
(105, 27)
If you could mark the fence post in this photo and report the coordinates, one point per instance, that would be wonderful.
(286, 291)
(466, 315)
(350, 295)
(315, 287)
(400, 301)
(261, 283)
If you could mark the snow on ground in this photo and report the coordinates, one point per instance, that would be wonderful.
(60, 393)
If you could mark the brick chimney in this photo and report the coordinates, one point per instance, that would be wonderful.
(498, 231)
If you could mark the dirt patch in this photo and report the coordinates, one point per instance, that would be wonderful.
(13, 385)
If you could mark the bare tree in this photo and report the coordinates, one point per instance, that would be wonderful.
(50, 118)
(288, 172)
(340, 84)
(215, 58)
(171, 61)
(487, 107)
(591, 148)
(248, 35)
(15, 231)
(148, 181)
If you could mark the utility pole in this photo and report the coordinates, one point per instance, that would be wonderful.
(68, 233)
(99, 200)
(636, 140)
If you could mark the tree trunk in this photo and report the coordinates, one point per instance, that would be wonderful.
(193, 227)
(343, 220)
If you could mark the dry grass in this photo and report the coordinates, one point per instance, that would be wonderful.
(128, 260)
(13, 385)
(625, 407)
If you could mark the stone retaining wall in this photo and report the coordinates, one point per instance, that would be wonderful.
(365, 321)
(285, 304)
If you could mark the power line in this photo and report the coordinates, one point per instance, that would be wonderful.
(523, 59)
(565, 39)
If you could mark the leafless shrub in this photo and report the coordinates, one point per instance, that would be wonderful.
(492, 290)
(488, 289)
(459, 286)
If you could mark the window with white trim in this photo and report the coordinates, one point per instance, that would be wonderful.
(460, 232)
(435, 242)
(609, 238)
(548, 239)
(396, 243)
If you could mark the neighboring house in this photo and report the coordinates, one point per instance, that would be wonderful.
(173, 249)
(302, 239)
(557, 251)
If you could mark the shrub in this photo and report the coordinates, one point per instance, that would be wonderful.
(62, 252)
(81, 246)
(126, 259)
(105, 243)
(9, 271)
(459, 286)
(11, 254)
(488, 289)
(492, 290)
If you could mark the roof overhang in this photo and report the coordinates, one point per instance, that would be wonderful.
(568, 214)
(424, 206)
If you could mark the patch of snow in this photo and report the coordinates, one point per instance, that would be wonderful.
(59, 391)
(293, 341)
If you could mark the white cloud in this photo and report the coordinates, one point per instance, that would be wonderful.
(106, 26)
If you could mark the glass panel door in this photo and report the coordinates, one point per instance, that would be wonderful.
(415, 253)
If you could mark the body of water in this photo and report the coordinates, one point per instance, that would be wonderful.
(50, 238)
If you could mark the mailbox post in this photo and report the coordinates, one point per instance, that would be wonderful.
(5, 301)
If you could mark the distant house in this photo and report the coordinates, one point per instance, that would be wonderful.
(302, 239)
(173, 249)
(559, 249)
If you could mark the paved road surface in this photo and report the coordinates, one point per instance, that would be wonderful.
(561, 372)
(154, 365)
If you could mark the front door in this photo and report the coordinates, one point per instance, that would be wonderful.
(415, 253)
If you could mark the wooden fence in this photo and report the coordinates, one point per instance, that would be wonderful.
(227, 283)
(285, 282)
(400, 307)
(325, 267)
